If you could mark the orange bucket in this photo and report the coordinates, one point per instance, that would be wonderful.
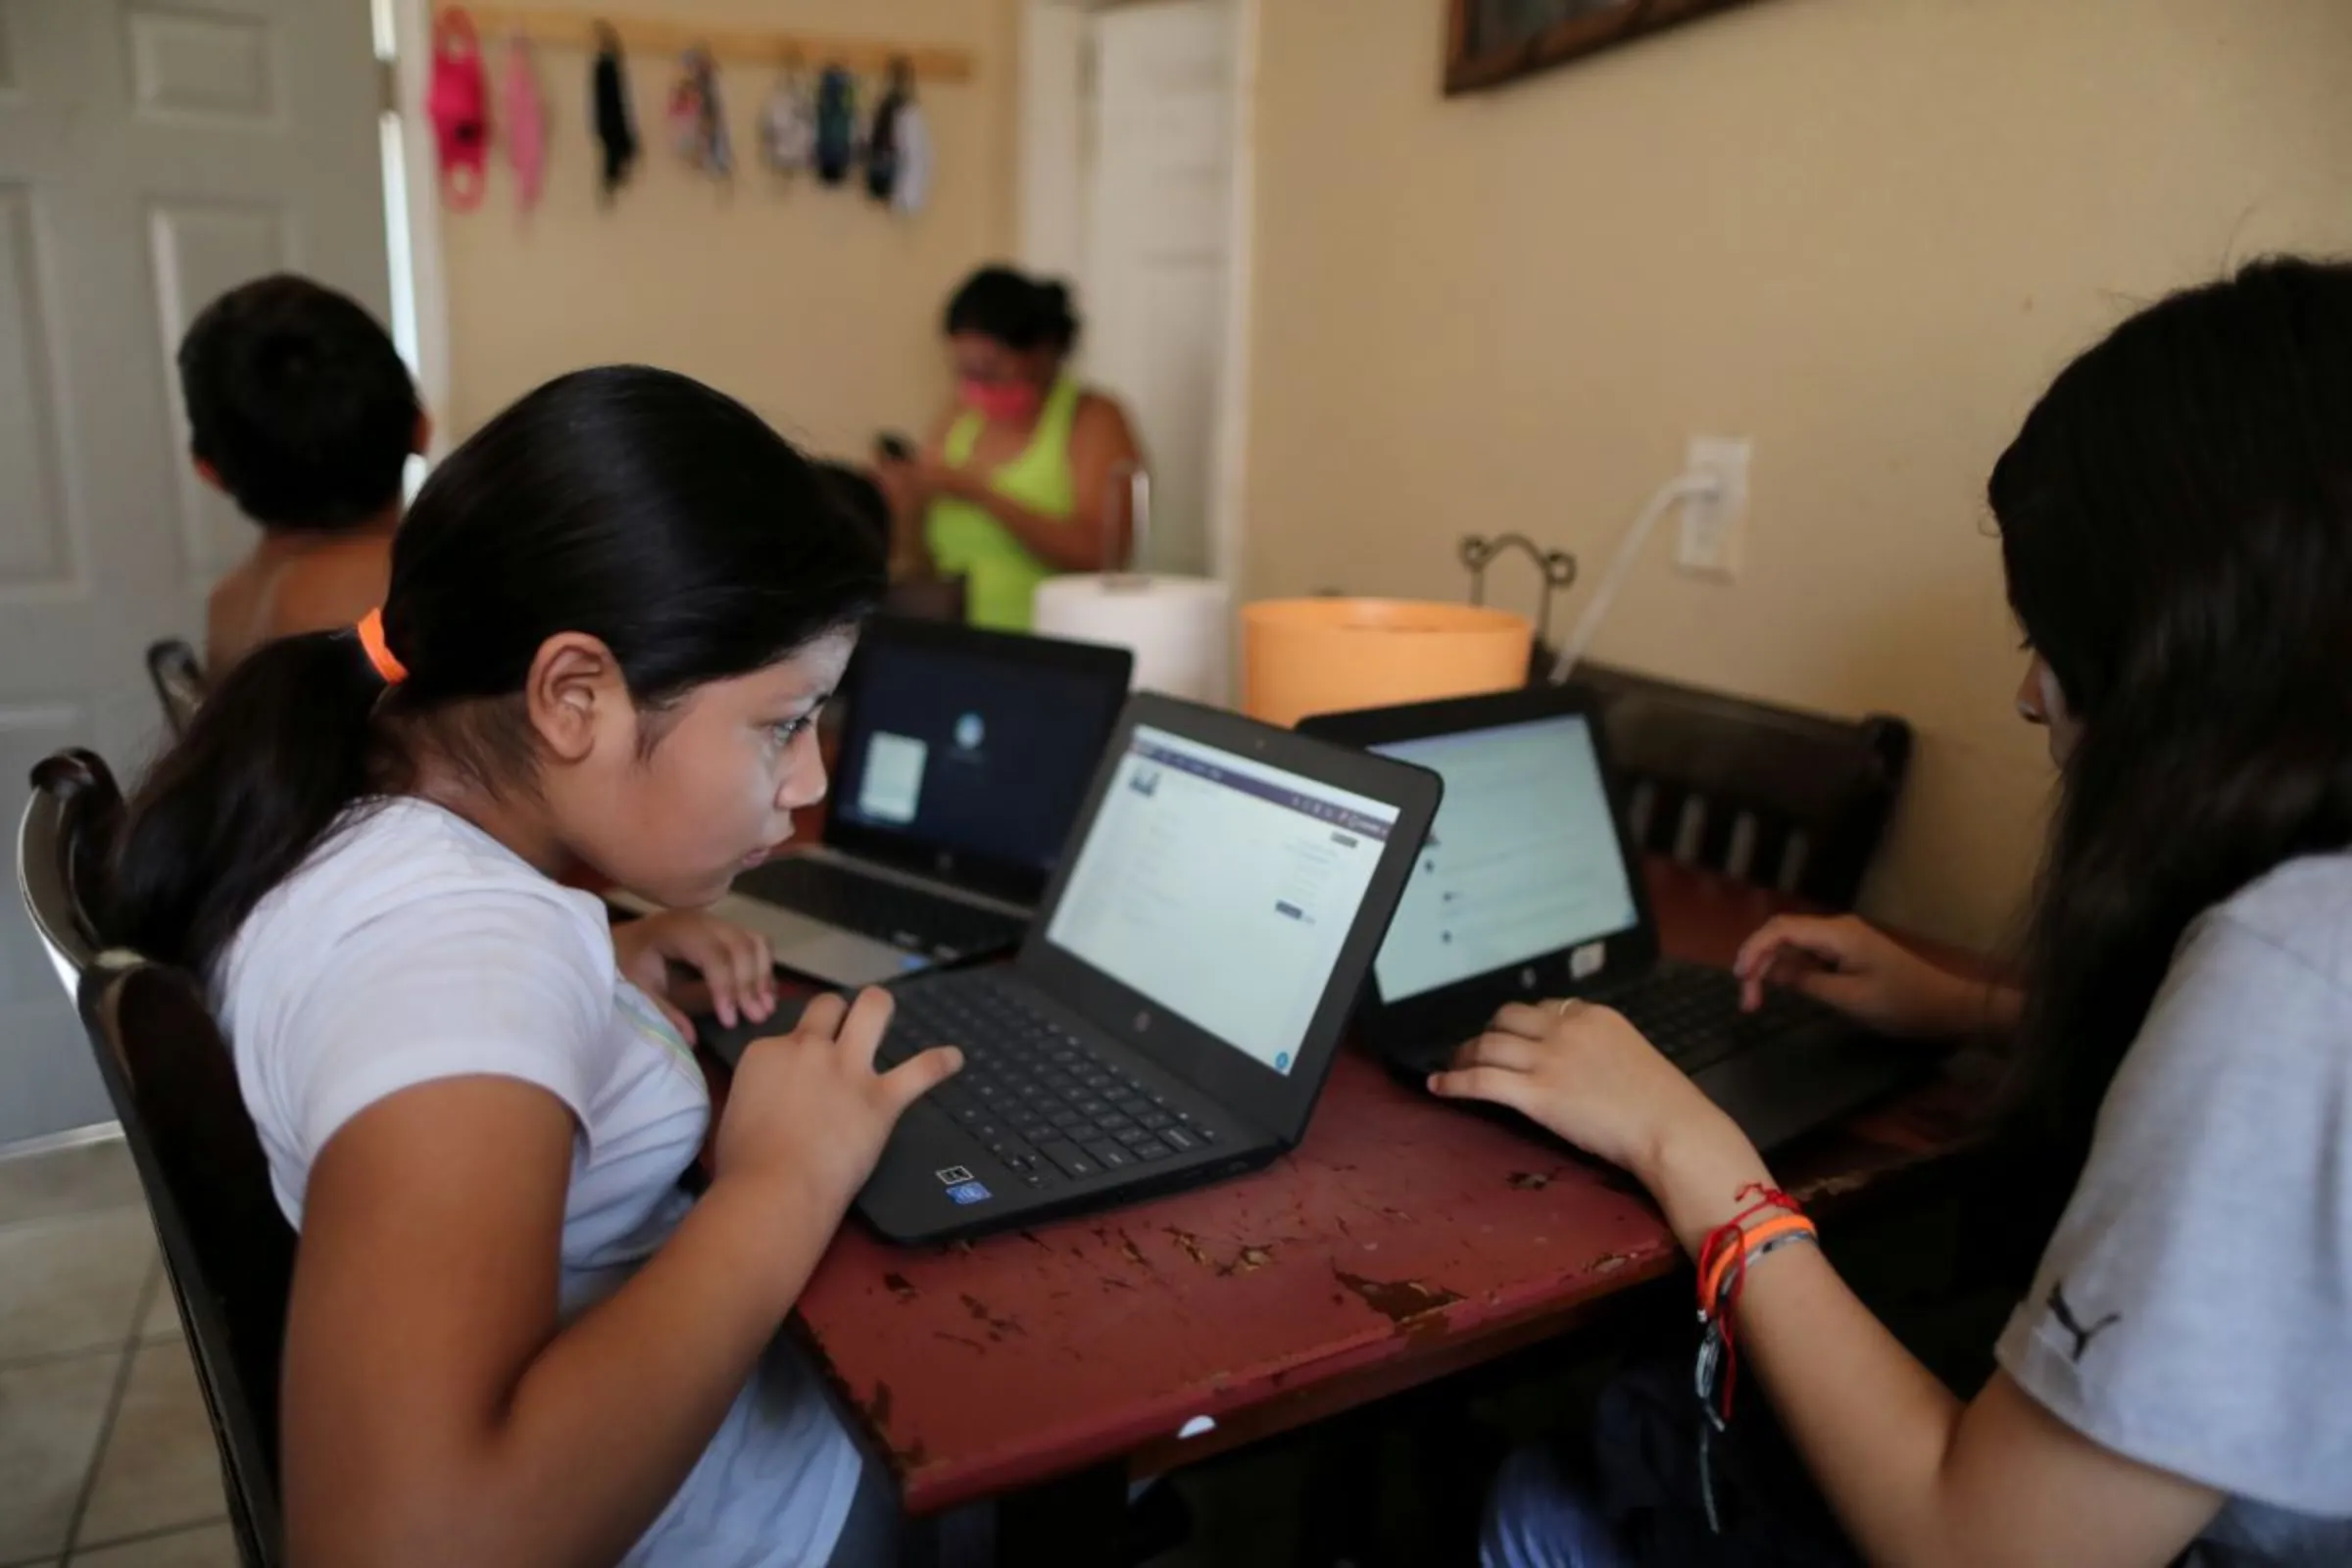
(1327, 656)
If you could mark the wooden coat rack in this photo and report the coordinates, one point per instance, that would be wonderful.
(728, 45)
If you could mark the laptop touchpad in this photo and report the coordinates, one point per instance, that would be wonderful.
(820, 950)
(846, 958)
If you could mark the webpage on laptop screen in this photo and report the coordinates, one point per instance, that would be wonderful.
(1522, 860)
(1221, 888)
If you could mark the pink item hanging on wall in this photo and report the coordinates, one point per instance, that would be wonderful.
(459, 106)
(697, 125)
(525, 119)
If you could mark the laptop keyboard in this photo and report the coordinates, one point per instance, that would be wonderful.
(888, 912)
(1031, 1093)
(1693, 1015)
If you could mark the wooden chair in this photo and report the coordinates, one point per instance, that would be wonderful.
(178, 679)
(1787, 800)
(62, 845)
(228, 1251)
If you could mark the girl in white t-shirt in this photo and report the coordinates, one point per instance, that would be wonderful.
(614, 614)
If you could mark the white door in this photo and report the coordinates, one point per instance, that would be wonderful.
(1159, 202)
(152, 155)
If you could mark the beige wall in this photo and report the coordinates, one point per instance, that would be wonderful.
(815, 306)
(1863, 231)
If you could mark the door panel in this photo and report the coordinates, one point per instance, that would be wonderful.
(151, 156)
(1159, 222)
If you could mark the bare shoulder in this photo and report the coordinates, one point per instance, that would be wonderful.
(331, 587)
(1101, 417)
(1100, 407)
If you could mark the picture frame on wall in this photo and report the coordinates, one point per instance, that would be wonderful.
(1490, 42)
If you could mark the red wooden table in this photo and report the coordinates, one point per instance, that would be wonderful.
(1404, 1240)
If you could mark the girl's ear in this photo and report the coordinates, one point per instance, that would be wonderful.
(575, 690)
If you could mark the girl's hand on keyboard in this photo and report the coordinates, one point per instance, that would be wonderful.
(1581, 1069)
(736, 964)
(1868, 976)
(809, 1114)
(1588, 1074)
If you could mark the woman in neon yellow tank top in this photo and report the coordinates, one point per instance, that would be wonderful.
(1014, 484)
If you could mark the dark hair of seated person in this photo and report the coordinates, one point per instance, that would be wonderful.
(299, 405)
(858, 496)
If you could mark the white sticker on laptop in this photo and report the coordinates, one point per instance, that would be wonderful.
(893, 786)
(1585, 962)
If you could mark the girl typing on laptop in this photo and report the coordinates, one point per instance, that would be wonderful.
(2175, 521)
(614, 614)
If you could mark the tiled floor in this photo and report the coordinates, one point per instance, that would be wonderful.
(106, 1457)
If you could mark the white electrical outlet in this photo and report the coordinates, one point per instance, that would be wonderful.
(1715, 526)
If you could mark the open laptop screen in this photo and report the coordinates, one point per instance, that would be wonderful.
(966, 748)
(1222, 888)
(1524, 859)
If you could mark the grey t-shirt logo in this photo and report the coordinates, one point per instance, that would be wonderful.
(2067, 1320)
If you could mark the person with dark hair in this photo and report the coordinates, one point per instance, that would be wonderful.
(856, 490)
(301, 412)
(2175, 524)
(514, 1337)
(1017, 481)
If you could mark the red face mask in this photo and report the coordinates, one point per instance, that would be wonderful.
(1001, 401)
(458, 106)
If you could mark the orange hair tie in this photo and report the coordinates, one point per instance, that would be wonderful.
(379, 652)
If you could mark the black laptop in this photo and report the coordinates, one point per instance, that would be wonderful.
(963, 757)
(1177, 1001)
(1529, 889)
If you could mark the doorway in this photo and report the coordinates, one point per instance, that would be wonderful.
(1136, 142)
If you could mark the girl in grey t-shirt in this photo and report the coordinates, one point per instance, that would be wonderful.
(2176, 524)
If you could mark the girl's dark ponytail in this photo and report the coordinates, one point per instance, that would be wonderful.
(2175, 523)
(630, 503)
(275, 754)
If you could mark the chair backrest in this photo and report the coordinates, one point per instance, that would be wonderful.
(62, 845)
(1787, 800)
(227, 1250)
(178, 679)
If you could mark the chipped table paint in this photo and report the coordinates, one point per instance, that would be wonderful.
(1401, 1241)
